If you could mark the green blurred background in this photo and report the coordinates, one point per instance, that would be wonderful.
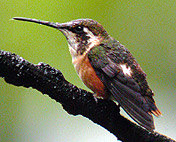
(146, 28)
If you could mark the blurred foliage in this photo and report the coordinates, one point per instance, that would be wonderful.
(146, 28)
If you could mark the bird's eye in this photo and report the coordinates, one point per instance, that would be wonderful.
(78, 29)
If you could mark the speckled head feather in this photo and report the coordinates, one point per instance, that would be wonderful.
(95, 27)
(82, 35)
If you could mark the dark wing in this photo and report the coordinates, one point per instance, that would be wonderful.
(123, 87)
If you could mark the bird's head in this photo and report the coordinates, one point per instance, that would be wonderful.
(81, 34)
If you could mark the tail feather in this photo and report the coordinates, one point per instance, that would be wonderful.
(156, 112)
(136, 112)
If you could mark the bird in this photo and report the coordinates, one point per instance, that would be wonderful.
(107, 68)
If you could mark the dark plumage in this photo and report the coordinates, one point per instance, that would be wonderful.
(131, 92)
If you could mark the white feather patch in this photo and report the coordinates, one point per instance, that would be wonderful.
(93, 40)
(126, 70)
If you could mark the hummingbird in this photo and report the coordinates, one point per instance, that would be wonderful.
(107, 68)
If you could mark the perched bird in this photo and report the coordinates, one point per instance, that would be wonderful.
(107, 68)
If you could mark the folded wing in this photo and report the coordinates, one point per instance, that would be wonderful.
(124, 89)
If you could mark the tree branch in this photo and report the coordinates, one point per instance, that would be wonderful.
(19, 72)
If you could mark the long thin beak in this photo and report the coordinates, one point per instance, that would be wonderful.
(47, 23)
